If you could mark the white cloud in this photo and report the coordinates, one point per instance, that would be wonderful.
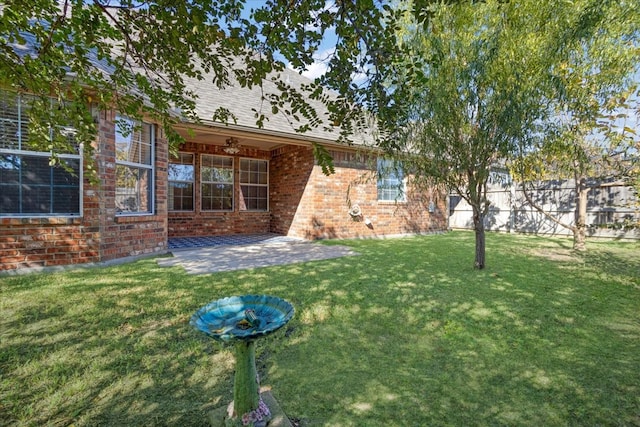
(315, 70)
(322, 57)
(320, 64)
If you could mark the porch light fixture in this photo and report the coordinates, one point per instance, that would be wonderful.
(232, 147)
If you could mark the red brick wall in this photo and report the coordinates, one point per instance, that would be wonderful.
(303, 203)
(308, 204)
(129, 235)
(208, 223)
(290, 171)
(99, 235)
(46, 242)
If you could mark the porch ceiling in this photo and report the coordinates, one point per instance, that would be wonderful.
(215, 136)
(250, 137)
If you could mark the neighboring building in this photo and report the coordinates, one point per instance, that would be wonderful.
(225, 179)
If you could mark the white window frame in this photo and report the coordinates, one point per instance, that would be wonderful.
(258, 185)
(19, 151)
(388, 183)
(203, 182)
(192, 181)
(150, 168)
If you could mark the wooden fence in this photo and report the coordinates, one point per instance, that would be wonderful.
(611, 209)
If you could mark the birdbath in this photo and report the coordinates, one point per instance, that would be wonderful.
(241, 320)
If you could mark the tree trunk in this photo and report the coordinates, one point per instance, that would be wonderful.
(478, 226)
(580, 229)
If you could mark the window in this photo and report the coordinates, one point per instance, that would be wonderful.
(391, 184)
(29, 185)
(134, 167)
(254, 184)
(216, 175)
(181, 177)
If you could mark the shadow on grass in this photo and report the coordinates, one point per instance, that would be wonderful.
(518, 344)
(112, 347)
(405, 334)
(618, 260)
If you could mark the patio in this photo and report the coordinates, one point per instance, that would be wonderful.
(201, 255)
(232, 239)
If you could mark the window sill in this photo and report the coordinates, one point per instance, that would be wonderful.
(124, 219)
(50, 220)
(392, 202)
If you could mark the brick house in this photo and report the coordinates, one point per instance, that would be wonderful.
(225, 179)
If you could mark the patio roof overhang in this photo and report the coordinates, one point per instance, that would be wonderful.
(216, 133)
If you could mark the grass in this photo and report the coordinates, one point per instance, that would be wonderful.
(406, 334)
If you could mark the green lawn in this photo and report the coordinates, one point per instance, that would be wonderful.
(406, 334)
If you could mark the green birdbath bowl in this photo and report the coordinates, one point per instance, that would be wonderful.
(240, 320)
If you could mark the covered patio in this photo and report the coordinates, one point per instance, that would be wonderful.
(177, 243)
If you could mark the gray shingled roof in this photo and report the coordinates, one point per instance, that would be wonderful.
(243, 103)
(30, 45)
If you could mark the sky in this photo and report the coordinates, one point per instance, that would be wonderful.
(326, 49)
(317, 69)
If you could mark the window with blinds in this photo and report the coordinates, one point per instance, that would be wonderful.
(181, 178)
(134, 167)
(391, 182)
(31, 185)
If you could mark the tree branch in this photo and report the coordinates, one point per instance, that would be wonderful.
(54, 26)
(542, 211)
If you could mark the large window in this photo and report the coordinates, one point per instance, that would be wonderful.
(134, 167)
(254, 184)
(216, 175)
(391, 183)
(29, 185)
(181, 177)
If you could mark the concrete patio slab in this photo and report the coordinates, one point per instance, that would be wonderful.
(238, 257)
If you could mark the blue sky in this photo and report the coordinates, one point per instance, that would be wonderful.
(321, 57)
(327, 48)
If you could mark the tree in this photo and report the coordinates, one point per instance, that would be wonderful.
(133, 56)
(468, 94)
(125, 55)
(590, 82)
(470, 88)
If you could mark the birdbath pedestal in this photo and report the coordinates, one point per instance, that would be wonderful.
(241, 320)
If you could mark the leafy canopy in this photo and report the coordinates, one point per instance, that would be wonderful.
(475, 82)
(134, 56)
